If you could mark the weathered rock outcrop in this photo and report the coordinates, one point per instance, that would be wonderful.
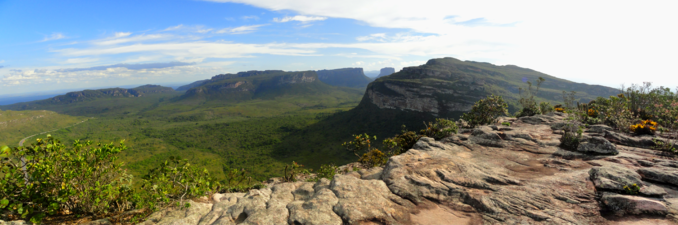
(488, 175)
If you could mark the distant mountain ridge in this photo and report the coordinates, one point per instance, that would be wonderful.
(346, 77)
(192, 85)
(90, 95)
(257, 84)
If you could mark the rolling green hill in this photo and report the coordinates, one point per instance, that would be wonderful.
(16, 125)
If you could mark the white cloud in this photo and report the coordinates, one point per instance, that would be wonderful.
(2, 61)
(54, 36)
(253, 17)
(122, 34)
(52, 76)
(196, 29)
(81, 60)
(196, 49)
(584, 41)
(177, 27)
(303, 19)
(240, 29)
(379, 37)
(119, 39)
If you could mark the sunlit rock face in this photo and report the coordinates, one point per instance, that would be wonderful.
(448, 87)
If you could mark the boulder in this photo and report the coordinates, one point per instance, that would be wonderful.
(371, 174)
(664, 175)
(599, 128)
(644, 141)
(597, 145)
(614, 177)
(171, 216)
(628, 204)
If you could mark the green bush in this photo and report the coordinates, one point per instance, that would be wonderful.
(529, 104)
(174, 181)
(326, 171)
(50, 177)
(360, 143)
(485, 111)
(545, 107)
(571, 139)
(400, 142)
(373, 158)
(291, 171)
(441, 128)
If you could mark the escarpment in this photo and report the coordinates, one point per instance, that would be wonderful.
(493, 174)
(250, 84)
(448, 87)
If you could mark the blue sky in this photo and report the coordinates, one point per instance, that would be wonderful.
(55, 45)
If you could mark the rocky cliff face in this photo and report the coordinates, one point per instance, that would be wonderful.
(449, 87)
(346, 77)
(488, 175)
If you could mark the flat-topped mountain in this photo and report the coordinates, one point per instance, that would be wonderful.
(448, 87)
(386, 71)
(346, 77)
(258, 84)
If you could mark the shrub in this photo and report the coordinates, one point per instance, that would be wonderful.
(664, 145)
(400, 142)
(485, 111)
(326, 171)
(569, 100)
(644, 127)
(360, 143)
(530, 107)
(545, 107)
(441, 128)
(291, 172)
(173, 181)
(631, 189)
(373, 158)
(571, 139)
(50, 177)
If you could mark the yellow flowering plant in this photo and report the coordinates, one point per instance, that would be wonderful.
(644, 127)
